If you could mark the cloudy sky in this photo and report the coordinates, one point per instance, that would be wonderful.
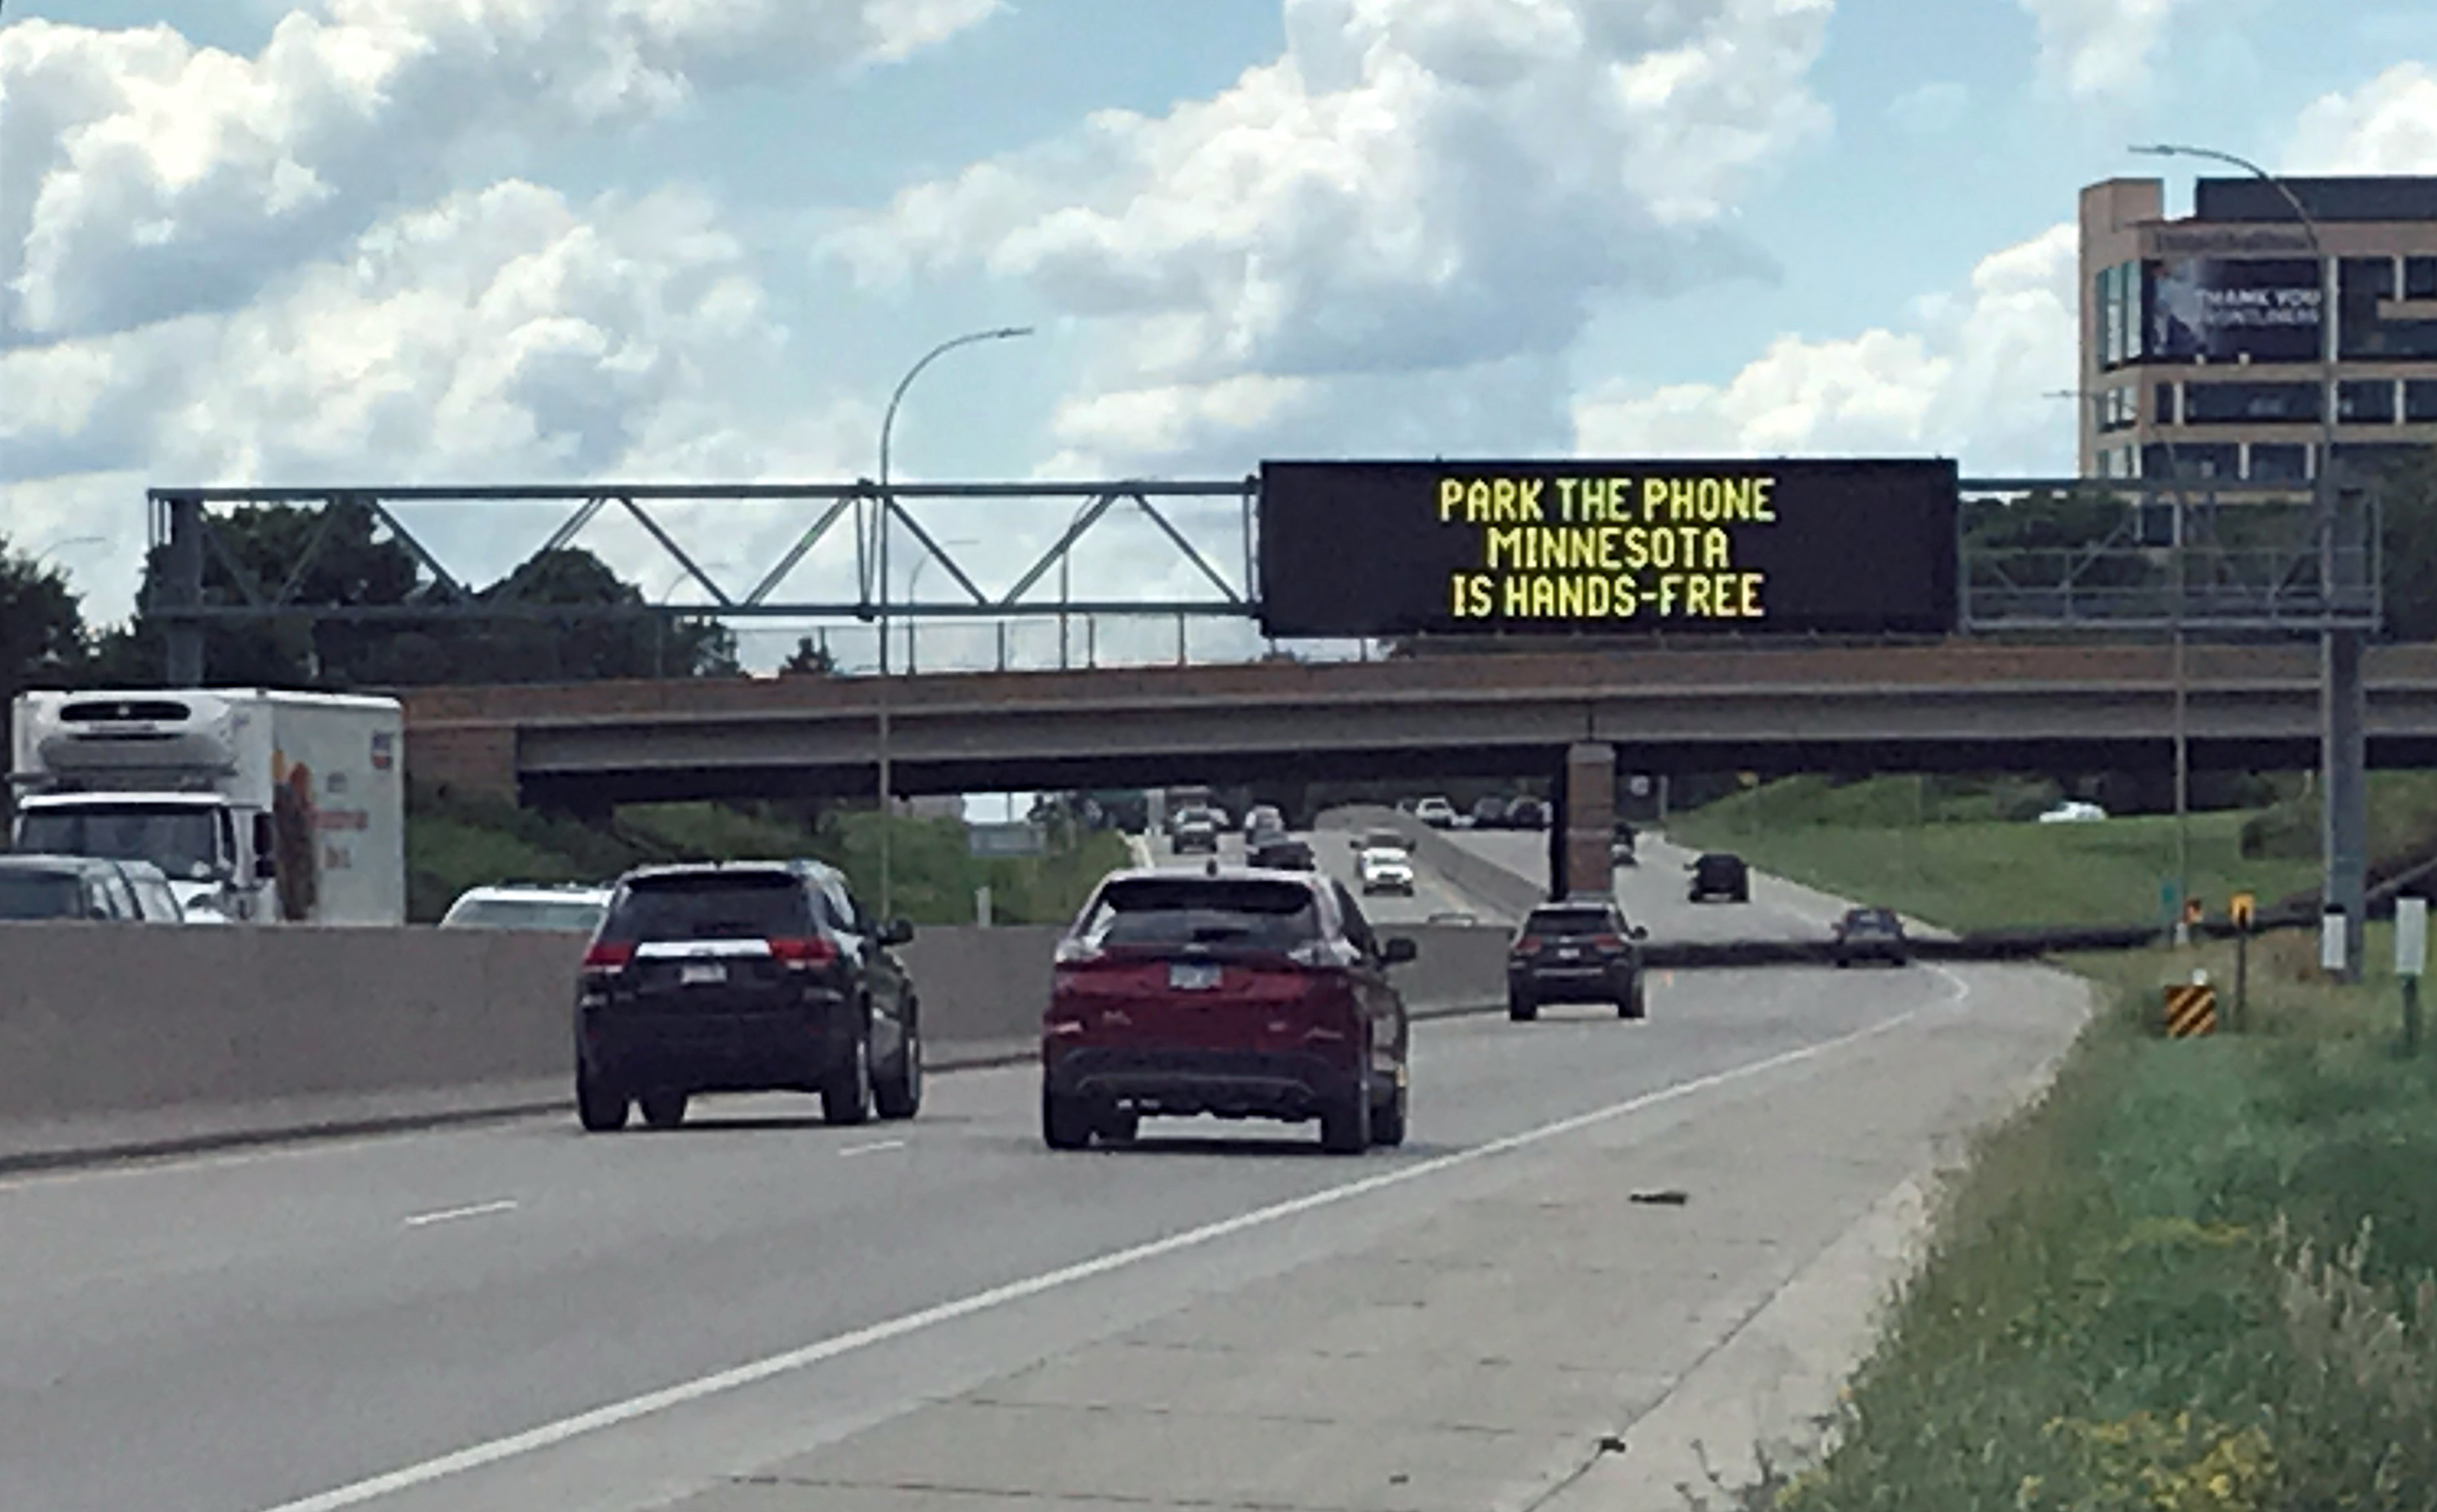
(392, 241)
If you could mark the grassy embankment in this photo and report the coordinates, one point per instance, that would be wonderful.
(459, 844)
(2195, 1277)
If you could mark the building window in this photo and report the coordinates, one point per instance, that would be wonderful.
(2366, 402)
(2238, 404)
(2277, 463)
(2118, 409)
(2420, 278)
(2356, 460)
(2191, 459)
(2111, 321)
(2162, 403)
(2420, 399)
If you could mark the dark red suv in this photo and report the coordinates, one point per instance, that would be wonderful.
(1244, 994)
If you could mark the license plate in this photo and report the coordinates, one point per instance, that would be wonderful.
(1192, 976)
(701, 974)
(1570, 955)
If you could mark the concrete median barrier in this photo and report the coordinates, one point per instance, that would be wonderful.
(1500, 892)
(119, 1041)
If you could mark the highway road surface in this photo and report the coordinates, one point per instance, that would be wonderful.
(759, 1313)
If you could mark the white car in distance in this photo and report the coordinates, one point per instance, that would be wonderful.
(1385, 871)
(2073, 812)
(1436, 813)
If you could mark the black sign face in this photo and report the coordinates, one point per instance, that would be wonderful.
(1607, 548)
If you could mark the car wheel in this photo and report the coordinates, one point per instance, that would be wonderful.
(1120, 1126)
(600, 1108)
(1842, 962)
(663, 1110)
(1065, 1122)
(899, 1094)
(1346, 1129)
(1521, 1009)
(846, 1095)
(1388, 1119)
(1632, 1005)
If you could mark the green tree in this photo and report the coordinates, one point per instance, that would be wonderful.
(586, 649)
(809, 659)
(2408, 532)
(41, 628)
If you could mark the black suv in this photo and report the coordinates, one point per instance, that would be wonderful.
(1580, 950)
(1719, 874)
(744, 977)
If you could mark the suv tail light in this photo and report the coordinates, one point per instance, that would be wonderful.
(802, 954)
(608, 956)
(1528, 945)
(1608, 942)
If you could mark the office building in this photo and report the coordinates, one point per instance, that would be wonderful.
(2205, 339)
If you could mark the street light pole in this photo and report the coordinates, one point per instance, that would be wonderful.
(2343, 757)
(888, 512)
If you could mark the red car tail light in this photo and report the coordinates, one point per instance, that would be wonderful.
(1608, 942)
(1528, 945)
(802, 954)
(608, 957)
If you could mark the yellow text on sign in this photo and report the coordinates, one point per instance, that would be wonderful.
(1710, 500)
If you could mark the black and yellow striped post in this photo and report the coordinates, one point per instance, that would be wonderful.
(2191, 1010)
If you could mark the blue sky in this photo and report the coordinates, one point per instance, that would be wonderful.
(1852, 247)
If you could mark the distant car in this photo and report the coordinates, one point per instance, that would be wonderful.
(1620, 850)
(1282, 855)
(155, 901)
(511, 905)
(1241, 994)
(1720, 875)
(745, 977)
(1264, 818)
(39, 889)
(2073, 812)
(1580, 950)
(1436, 813)
(1527, 813)
(1872, 934)
(1489, 813)
(1197, 831)
(1385, 871)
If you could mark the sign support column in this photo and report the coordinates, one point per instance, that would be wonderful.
(1589, 818)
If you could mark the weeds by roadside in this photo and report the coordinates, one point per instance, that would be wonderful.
(2194, 1277)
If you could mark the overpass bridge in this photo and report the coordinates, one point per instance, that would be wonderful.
(1956, 707)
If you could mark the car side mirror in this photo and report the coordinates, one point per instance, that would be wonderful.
(1398, 951)
(899, 931)
(1639, 933)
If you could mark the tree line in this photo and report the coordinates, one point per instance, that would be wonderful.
(45, 639)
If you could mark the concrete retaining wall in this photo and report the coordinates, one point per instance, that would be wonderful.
(115, 1038)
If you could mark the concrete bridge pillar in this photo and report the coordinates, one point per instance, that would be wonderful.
(1586, 820)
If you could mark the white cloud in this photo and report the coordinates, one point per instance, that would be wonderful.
(2387, 125)
(149, 178)
(2095, 48)
(1932, 110)
(1390, 234)
(1970, 382)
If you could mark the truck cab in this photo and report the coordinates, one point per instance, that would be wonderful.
(213, 865)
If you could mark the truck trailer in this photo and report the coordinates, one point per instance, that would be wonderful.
(260, 806)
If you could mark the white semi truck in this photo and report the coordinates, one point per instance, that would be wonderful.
(261, 806)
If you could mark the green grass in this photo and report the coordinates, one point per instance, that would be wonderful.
(458, 844)
(2149, 1290)
(1997, 873)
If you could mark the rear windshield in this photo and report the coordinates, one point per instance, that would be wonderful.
(1721, 863)
(524, 914)
(1224, 912)
(39, 895)
(1384, 840)
(1571, 922)
(711, 906)
(1870, 919)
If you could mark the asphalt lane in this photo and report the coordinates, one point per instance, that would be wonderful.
(267, 1330)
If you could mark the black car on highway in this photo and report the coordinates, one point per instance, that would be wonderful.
(1527, 813)
(1720, 875)
(744, 977)
(1235, 993)
(1197, 829)
(1281, 853)
(1872, 934)
(1579, 951)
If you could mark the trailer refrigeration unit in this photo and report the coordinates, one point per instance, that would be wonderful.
(260, 806)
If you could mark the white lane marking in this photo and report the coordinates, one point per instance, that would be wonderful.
(549, 1435)
(479, 1209)
(873, 1148)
